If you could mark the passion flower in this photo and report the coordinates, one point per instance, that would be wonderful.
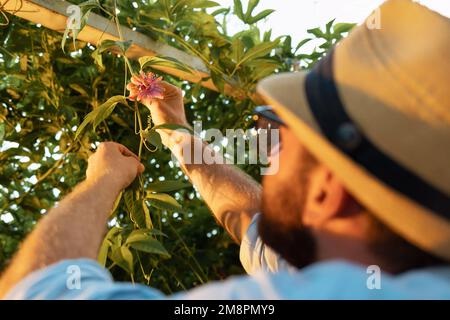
(145, 87)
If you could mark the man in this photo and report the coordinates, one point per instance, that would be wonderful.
(363, 181)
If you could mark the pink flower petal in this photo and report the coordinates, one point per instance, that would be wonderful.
(145, 87)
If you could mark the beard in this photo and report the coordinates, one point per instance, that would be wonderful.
(283, 203)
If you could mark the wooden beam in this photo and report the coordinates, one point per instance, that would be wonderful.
(53, 14)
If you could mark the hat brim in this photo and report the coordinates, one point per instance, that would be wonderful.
(286, 94)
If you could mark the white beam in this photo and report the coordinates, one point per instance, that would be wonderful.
(53, 15)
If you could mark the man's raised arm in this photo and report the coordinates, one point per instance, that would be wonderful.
(75, 228)
(232, 195)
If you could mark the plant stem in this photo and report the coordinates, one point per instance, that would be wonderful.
(190, 48)
(125, 80)
(189, 252)
(140, 130)
(119, 31)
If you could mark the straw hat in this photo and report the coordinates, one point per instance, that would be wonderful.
(376, 111)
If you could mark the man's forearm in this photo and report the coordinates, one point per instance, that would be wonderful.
(232, 195)
(73, 229)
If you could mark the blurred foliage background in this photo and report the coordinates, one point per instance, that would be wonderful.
(45, 94)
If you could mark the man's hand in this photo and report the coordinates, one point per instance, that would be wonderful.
(170, 109)
(114, 163)
(75, 228)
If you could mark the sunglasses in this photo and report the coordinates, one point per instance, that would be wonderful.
(265, 116)
(267, 119)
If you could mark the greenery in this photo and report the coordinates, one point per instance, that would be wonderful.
(60, 97)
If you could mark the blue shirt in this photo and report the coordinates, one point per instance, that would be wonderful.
(256, 256)
(271, 278)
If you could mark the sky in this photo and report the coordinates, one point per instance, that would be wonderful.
(294, 17)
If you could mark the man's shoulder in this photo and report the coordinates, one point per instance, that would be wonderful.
(331, 280)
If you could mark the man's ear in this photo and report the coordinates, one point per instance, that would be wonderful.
(327, 197)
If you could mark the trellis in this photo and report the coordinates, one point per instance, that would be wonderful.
(53, 14)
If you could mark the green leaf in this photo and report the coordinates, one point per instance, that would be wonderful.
(248, 17)
(111, 45)
(148, 219)
(106, 244)
(250, 7)
(262, 63)
(287, 45)
(167, 186)
(165, 206)
(96, 116)
(2, 132)
(202, 4)
(326, 45)
(116, 203)
(164, 197)
(137, 235)
(142, 240)
(153, 137)
(86, 8)
(238, 9)
(173, 126)
(267, 35)
(263, 14)
(135, 209)
(264, 71)
(138, 215)
(107, 108)
(90, 4)
(103, 252)
(164, 202)
(64, 38)
(340, 28)
(220, 11)
(301, 44)
(78, 89)
(123, 257)
(143, 234)
(128, 197)
(127, 257)
(97, 56)
(163, 61)
(150, 246)
(316, 32)
(238, 49)
(249, 38)
(329, 25)
(259, 50)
